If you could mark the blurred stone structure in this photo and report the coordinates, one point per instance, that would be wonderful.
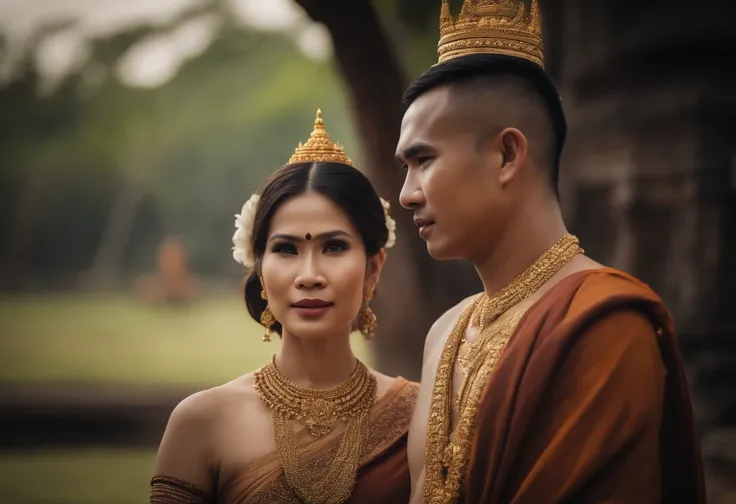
(649, 176)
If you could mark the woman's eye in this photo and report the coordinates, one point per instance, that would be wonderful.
(284, 248)
(423, 160)
(335, 246)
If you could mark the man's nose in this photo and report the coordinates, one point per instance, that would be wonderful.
(411, 195)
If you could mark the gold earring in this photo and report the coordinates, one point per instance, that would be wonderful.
(267, 318)
(366, 317)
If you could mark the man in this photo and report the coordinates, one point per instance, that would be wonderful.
(562, 381)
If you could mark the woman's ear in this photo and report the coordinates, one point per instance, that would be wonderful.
(374, 267)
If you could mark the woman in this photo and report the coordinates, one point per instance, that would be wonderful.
(314, 425)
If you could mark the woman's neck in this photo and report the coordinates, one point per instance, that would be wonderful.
(318, 364)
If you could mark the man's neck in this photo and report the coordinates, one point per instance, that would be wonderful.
(523, 242)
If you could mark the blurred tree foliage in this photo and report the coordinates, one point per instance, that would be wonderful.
(185, 156)
(96, 174)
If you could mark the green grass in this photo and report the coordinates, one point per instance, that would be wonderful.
(102, 339)
(76, 477)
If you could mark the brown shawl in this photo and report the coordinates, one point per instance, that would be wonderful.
(589, 403)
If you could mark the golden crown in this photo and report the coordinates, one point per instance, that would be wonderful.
(319, 147)
(492, 27)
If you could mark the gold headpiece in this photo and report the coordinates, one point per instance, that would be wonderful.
(492, 27)
(319, 147)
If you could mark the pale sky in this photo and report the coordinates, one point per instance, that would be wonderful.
(155, 60)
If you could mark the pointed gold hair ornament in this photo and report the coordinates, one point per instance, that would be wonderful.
(492, 27)
(319, 147)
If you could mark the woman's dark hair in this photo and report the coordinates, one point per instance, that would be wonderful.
(342, 184)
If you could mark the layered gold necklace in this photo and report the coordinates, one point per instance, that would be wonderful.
(448, 453)
(321, 411)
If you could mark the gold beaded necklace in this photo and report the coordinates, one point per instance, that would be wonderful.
(321, 411)
(448, 454)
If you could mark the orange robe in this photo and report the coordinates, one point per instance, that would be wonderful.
(589, 403)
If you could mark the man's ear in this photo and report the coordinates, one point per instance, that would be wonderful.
(513, 149)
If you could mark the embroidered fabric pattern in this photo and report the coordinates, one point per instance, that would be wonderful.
(168, 490)
(388, 424)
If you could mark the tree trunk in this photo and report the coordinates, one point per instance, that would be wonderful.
(415, 290)
(30, 207)
(110, 253)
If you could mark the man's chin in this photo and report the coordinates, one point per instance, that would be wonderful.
(438, 250)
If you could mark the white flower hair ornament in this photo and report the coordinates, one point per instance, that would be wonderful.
(243, 237)
(390, 225)
(244, 221)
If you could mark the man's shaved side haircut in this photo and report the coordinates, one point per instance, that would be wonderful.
(490, 103)
(494, 92)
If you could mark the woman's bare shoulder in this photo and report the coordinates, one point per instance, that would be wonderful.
(200, 412)
(386, 384)
(191, 445)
